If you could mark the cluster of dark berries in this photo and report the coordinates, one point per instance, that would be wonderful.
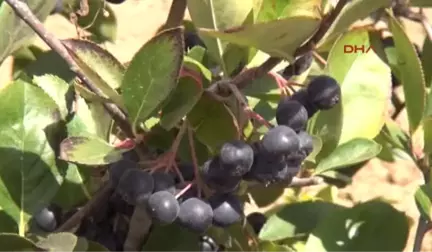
(279, 154)
(157, 192)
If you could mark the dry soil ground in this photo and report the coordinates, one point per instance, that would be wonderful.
(137, 22)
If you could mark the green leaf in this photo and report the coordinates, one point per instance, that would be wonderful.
(14, 32)
(76, 188)
(271, 10)
(14, 242)
(363, 99)
(82, 122)
(411, 72)
(59, 242)
(353, 11)
(94, 246)
(426, 61)
(29, 175)
(198, 68)
(89, 150)
(59, 91)
(180, 239)
(296, 219)
(236, 237)
(423, 197)
(275, 37)
(107, 66)
(349, 153)
(370, 226)
(184, 98)
(427, 124)
(264, 87)
(271, 246)
(317, 146)
(220, 15)
(91, 72)
(152, 74)
(208, 115)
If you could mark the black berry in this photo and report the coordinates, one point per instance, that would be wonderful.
(302, 97)
(280, 140)
(324, 92)
(236, 158)
(267, 169)
(257, 221)
(163, 182)
(215, 177)
(46, 220)
(116, 1)
(163, 207)
(195, 215)
(306, 143)
(117, 169)
(227, 209)
(291, 113)
(207, 244)
(192, 39)
(135, 186)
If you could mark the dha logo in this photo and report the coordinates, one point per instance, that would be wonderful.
(357, 49)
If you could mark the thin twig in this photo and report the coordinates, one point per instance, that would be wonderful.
(423, 227)
(246, 77)
(297, 182)
(25, 13)
(176, 14)
(101, 196)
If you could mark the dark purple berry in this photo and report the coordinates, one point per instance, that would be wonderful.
(257, 221)
(116, 1)
(163, 182)
(324, 92)
(215, 177)
(195, 215)
(280, 140)
(302, 97)
(135, 186)
(306, 143)
(117, 169)
(46, 220)
(163, 207)
(291, 113)
(236, 158)
(207, 244)
(227, 209)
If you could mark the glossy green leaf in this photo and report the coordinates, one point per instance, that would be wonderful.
(29, 176)
(105, 64)
(91, 72)
(427, 124)
(423, 197)
(221, 15)
(198, 68)
(411, 72)
(363, 99)
(89, 150)
(184, 98)
(180, 239)
(369, 226)
(76, 188)
(103, 120)
(297, 219)
(14, 242)
(349, 153)
(271, 10)
(59, 91)
(271, 246)
(426, 60)
(274, 37)
(89, 95)
(352, 12)
(208, 115)
(14, 32)
(152, 74)
(59, 242)
(317, 146)
(82, 122)
(264, 87)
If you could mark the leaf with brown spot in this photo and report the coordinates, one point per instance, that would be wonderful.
(89, 150)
